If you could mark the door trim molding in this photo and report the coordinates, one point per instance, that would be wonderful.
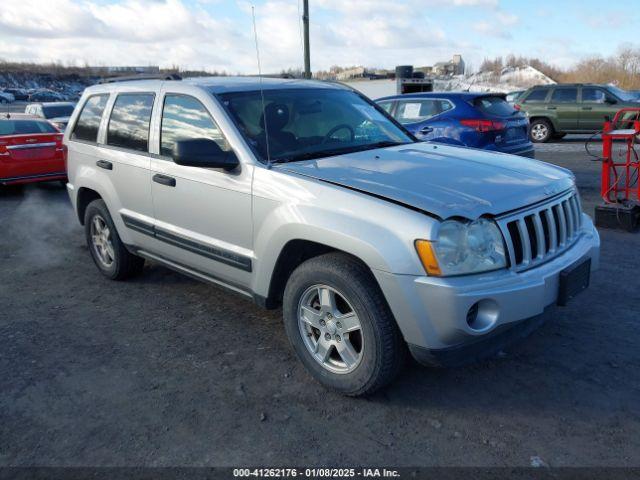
(217, 254)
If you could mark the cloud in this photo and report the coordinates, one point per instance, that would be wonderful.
(212, 34)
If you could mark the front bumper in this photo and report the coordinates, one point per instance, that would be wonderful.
(432, 312)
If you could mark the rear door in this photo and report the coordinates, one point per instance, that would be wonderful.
(125, 159)
(594, 108)
(564, 103)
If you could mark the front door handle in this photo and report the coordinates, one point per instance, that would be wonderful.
(164, 180)
(104, 164)
(552, 108)
(426, 130)
(587, 108)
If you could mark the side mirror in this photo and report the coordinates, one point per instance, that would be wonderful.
(203, 153)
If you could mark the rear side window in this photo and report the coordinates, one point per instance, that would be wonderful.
(186, 118)
(22, 127)
(536, 96)
(497, 106)
(565, 95)
(88, 123)
(129, 122)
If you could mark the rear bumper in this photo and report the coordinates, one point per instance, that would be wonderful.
(432, 312)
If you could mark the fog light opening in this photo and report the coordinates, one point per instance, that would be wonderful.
(482, 315)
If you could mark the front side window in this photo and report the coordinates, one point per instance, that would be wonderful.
(593, 95)
(88, 122)
(412, 111)
(304, 123)
(185, 118)
(565, 95)
(130, 120)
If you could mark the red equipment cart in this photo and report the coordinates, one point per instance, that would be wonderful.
(620, 185)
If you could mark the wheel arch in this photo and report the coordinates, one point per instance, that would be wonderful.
(86, 195)
(293, 254)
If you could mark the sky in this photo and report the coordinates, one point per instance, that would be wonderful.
(218, 34)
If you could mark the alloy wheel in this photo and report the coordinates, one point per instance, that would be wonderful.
(330, 329)
(101, 241)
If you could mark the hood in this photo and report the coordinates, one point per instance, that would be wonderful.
(442, 180)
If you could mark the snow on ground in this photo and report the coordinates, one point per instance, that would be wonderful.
(511, 79)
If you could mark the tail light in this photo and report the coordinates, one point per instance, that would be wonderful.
(517, 106)
(61, 147)
(483, 126)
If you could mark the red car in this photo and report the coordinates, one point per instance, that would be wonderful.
(31, 150)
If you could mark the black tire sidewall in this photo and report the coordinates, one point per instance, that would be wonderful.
(358, 296)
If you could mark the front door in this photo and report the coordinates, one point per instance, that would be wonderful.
(202, 216)
(595, 106)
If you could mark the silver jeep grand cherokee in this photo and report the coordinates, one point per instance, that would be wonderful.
(307, 195)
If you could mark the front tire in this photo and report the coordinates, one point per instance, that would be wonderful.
(107, 250)
(541, 131)
(340, 325)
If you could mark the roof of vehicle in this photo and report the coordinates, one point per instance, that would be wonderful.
(227, 84)
(51, 104)
(447, 95)
(571, 85)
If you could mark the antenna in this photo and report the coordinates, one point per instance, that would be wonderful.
(264, 112)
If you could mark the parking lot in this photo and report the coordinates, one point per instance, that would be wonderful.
(163, 370)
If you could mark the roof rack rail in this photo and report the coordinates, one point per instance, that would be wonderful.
(153, 76)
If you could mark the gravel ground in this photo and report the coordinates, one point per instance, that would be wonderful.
(166, 371)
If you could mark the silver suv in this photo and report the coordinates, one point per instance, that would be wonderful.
(307, 195)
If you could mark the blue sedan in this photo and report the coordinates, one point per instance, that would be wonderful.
(478, 120)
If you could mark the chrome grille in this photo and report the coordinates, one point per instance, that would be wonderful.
(536, 235)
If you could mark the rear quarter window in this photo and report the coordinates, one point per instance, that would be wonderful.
(536, 96)
(24, 127)
(497, 106)
(88, 123)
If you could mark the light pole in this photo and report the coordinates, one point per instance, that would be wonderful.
(305, 25)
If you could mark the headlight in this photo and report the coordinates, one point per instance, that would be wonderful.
(463, 248)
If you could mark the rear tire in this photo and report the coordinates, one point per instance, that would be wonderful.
(107, 250)
(359, 361)
(541, 131)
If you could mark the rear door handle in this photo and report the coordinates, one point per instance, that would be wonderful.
(104, 164)
(552, 108)
(164, 180)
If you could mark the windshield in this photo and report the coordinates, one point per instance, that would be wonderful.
(54, 111)
(622, 94)
(310, 123)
